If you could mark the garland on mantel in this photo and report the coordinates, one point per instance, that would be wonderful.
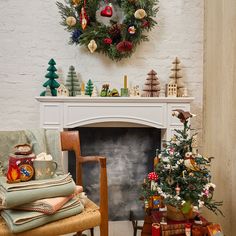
(115, 40)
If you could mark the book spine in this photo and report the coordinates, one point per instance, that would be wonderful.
(172, 226)
(172, 232)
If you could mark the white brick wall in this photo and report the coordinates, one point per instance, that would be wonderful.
(30, 34)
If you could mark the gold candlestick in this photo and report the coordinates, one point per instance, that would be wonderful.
(125, 82)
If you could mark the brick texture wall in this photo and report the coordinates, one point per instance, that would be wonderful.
(30, 34)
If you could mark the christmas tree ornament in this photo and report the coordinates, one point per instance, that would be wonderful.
(76, 35)
(75, 3)
(123, 25)
(190, 163)
(92, 46)
(52, 76)
(170, 180)
(107, 41)
(194, 145)
(156, 201)
(89, 88)
(83, 18)
(152, 85)
(153, 177)
(131, 30)
(124, 46)
(145, 24)
(70, 21)
(107, 11)
(72, 83)
(183, 116)
(177, 189)
(140, 14)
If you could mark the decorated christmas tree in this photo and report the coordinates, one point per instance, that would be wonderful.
(89, 88)
(182, 177)
(152, 85)
(51, 75)
(176, 77)
(72, 83)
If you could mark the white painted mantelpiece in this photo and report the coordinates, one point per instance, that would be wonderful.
(70, 112)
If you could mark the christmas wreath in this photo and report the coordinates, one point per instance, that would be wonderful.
(114, 28)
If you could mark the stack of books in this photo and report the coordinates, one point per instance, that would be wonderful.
(171, 227)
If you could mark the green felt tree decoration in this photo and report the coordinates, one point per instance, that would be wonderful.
(52, 76)
(72, 83)
(89, 88)
(182, 175)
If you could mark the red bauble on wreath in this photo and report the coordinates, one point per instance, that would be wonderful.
(107, 11)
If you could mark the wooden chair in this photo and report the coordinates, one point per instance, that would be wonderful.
(92, 216)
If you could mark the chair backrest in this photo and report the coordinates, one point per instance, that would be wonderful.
(70, 141)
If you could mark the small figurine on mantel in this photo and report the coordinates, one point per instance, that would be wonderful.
(175, 87)
(95, 92)
(72, 82)
(152, 86)
(134, 91)
(89, 88)
(51, 76)
(105, 90)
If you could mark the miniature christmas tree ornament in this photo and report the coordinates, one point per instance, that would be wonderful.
(175, 88)
(152, 85)
(72, 83)
(52, 76)
(89, 88)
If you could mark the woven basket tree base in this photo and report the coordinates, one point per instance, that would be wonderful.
(174, 213)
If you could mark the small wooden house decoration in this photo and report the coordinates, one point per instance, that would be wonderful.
(62, 91)
(135, 91)
(171, 90)
(175, 87)
(152, 85)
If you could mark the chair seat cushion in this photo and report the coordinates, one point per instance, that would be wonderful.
(89, 218)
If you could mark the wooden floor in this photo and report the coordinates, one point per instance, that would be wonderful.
(117, 228)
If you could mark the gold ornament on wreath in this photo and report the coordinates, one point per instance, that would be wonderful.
(118, 38)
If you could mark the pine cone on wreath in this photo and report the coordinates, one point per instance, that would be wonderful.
(115, 32)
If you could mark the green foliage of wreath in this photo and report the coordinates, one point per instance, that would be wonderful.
(116, 40)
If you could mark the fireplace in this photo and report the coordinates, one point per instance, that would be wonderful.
(143, 124)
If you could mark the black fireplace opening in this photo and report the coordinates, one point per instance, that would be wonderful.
(129, 153)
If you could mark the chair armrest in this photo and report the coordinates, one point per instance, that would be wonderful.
(103, 182)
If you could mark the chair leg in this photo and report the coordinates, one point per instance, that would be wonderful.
(92, 231)
(104, 228)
